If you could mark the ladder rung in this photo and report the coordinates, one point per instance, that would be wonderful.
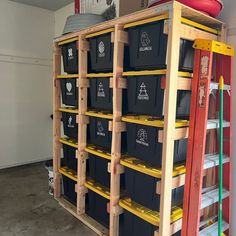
(212, 230)
(215, 124)
(215, 86)
(211, 197)
(212, 160)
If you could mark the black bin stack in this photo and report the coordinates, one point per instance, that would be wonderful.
(100, 114)
(69, 94)
(145, 59)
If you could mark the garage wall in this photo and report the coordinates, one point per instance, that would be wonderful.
(228, 15)
(60, 18)
(25, 91)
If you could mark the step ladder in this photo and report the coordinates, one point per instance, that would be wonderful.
(212, 61)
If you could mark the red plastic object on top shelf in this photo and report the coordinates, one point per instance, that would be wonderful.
(209, 7)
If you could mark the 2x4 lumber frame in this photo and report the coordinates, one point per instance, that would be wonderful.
(56, 120)
(169, 118)
(82, 155)
(120, 37)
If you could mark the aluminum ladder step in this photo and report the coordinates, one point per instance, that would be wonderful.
(211, 197)
(215, 86)
(212, 230)
(215, 124)
(212, 160)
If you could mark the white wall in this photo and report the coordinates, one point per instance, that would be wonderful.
(229, 16)
(60, 18)
(26, 88)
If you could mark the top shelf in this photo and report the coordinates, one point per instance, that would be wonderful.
(190, 17)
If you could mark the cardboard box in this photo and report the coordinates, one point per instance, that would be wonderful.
(112, 8)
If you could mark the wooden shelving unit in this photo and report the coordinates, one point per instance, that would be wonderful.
(180, 22)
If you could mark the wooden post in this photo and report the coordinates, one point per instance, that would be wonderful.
(115, 210)
(169, 118)
(56, 120)
(82, 127)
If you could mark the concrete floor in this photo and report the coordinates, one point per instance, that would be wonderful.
(26, 209)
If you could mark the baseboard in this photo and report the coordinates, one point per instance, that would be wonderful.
(24, 163)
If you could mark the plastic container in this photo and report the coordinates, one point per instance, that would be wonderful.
(141, 188)
(69, 189)
(70, 57)
(101, 94)
(101, 136)
(209, 7)
(101, 53)
(143, 143)
(98, 170)
(135, 226)
(69, 125)
(97, 208)
(146, 97)
(69, 92)
(69, 159)
(99, 132)
(148, 47)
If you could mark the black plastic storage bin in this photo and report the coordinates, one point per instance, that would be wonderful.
(69, 189)
(101, 94)
(69, 125)
(143, 143)
(70, 57)
(101, 53)
(98, 171)
(69, 92)
(135, 226)
(146, 97)
(69, 154)
(101, 136)
(97, 208)
(148, 47)
(141, 188)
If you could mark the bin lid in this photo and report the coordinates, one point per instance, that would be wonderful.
(69, 110)
(98, 188)
(140, 166)
(152, 217)
(97, 151)
(152, 121)
(100, 114)
(69, 142)
(68, 173)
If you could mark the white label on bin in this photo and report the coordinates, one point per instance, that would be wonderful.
(101, 92)
(69, 88)
(145, 42)
(100, 129)
(101, 49)
(70, 125)
(143, 95)
(70, 54)
(142, 137)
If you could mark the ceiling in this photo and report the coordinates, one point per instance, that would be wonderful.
(52, 5)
